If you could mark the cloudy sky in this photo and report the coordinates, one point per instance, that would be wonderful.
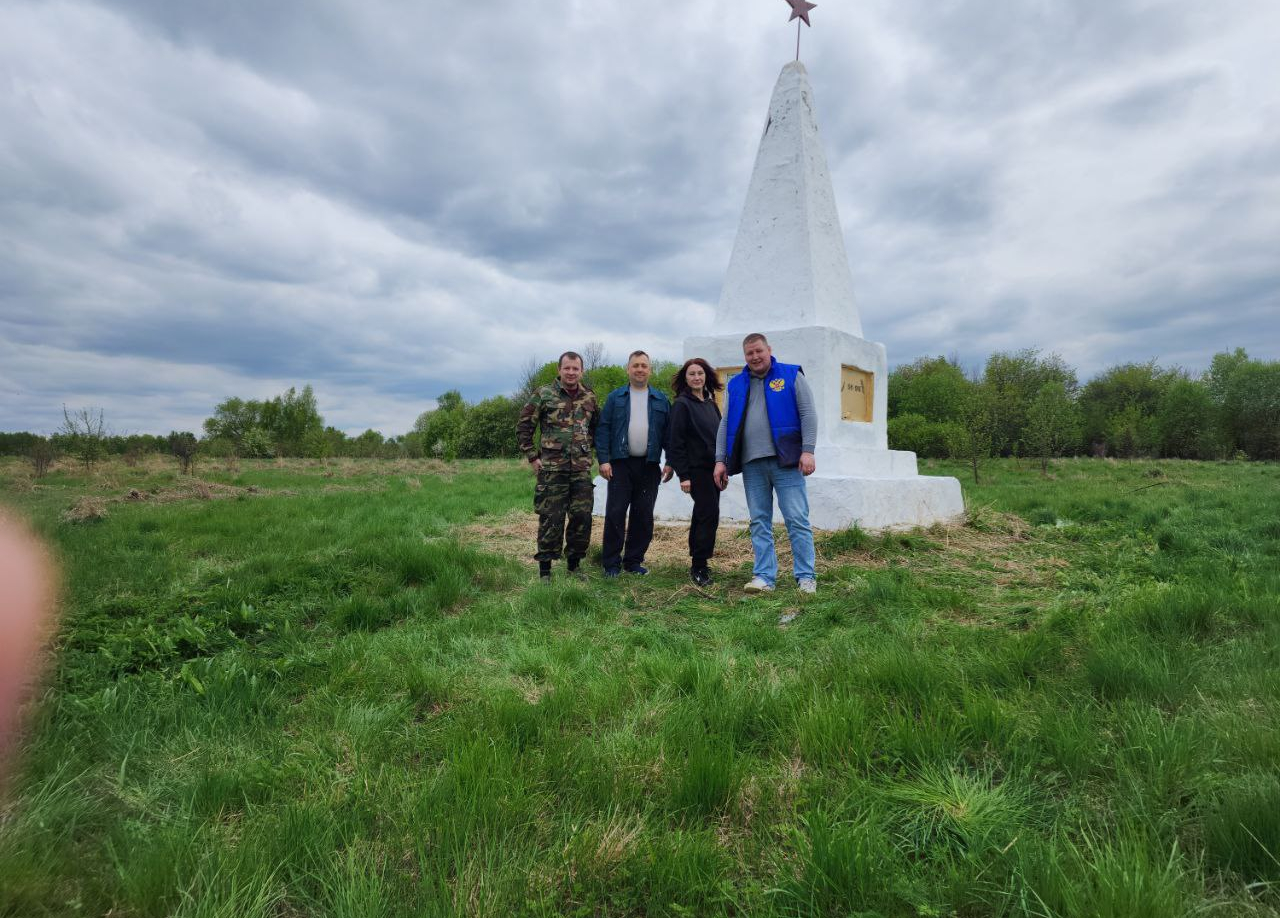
(389, 199)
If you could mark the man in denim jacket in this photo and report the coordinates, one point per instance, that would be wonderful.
(629, 444)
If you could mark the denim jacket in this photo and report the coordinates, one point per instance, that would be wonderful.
(615, 420)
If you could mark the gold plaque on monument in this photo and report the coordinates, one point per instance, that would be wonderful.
(725, 374)
(856, 393)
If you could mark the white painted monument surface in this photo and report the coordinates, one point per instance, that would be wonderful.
(789, 278)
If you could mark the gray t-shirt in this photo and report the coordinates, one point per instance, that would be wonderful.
(757, 438)
(638, 427)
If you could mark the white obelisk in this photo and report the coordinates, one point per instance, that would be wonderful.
(789, 278)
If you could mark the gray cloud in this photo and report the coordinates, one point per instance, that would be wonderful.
(388, 201)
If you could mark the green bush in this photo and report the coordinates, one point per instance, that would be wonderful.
(1016, 382)
(603, 380)
(439, 430)
(932, 387)
(1119, 408)
(218, 447)
(1052, 424)
(286, 421)
(1251, 409)
(488, 429)
(256, 444)
(1185, 423)
(917, 434)
(17, 444)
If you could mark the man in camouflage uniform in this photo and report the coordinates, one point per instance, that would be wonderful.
(568, 414)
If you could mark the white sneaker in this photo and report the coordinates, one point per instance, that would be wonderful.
(807, 586)
(758, 586)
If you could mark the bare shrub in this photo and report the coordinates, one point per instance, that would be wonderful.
(183, 446)
(527, 383)
(41, 453)
(594, 356)
(86, 433)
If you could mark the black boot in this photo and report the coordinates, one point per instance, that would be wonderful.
(575, 571)
(544, 571)
(700, 575)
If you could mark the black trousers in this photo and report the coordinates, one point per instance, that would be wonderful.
(706, 516)
(634, 487)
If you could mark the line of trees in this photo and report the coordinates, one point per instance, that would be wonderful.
(487, 429)
(1027, 404)
(1022, 403)
(84, 437)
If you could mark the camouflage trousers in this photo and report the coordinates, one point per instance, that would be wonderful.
(556, 496)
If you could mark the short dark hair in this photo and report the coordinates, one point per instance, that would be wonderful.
(679, 383)
(754, 336)
(634, 354)
(572, 355)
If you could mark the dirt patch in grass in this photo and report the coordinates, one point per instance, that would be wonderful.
(1004, 542)
(89, 508)
(351, 468)
(1000, 570)
(1003, 566)
(1007, 542)
(197, 489)
(515, 535)
(343, 489)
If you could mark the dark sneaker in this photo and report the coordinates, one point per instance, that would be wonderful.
(575, 570)
(700, 576)
(639, 570)
(544, 571)
(612, 571)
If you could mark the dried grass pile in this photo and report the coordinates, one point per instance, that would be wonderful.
(85, 510)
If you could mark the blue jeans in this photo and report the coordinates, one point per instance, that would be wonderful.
(760, 478)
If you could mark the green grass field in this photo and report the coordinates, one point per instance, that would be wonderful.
(291, 690)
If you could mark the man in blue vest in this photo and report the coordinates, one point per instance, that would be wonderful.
(629, 443)
(768, 434)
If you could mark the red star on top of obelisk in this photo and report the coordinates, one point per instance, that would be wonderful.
(800, 10)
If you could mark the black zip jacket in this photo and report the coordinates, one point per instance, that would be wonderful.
(691, 434)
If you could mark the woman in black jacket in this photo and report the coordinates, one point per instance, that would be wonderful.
(691, 451)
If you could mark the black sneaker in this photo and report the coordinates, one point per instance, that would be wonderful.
(612, 571)
(544, 571)
(700, 576)
(639, 570)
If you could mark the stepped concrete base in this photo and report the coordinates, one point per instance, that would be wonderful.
(834, 502)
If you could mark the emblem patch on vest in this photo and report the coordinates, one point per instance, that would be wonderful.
(778, 385)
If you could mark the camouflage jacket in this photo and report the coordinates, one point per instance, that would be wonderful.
(568, 427)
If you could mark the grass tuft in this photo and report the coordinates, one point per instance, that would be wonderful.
(1242, 830)
(1126, 875)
